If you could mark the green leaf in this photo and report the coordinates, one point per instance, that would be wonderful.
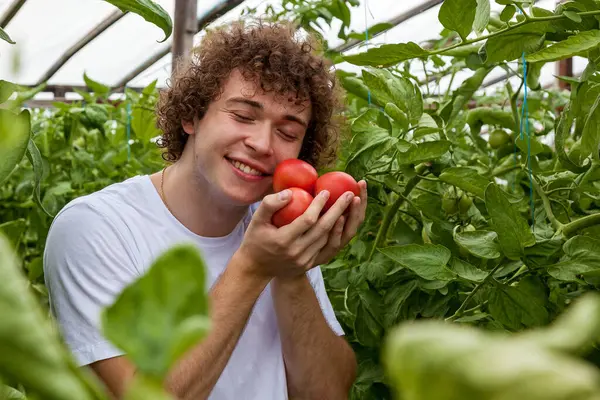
(515, 308)
(465, 178)
(394, 299)
(426, 151)
(96, 87)
(149, 10)
(397, 114)
(464, 93)
(590, 137)
(146, 388)
(380, 93)
(428, 261)
(490, 116)
(513, 232)
(31, 351)
(39, 171)
(14, 137)
(510, 46)
(482, 244)
(582, 254)
(13, 230)
(387, 55)
(4, 36)
(482, 16)
(143, 123)
(573, 16)
(529, 144)
(156, 328)
(367, 325)
(6, 90)
(429, 359)
(574, 45)
(576, 330)
(508, 12)
(466, 270)
(458, 16)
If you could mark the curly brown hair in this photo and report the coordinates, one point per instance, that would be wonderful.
(273, 54)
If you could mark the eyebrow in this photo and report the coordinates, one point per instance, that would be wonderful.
(258, 105)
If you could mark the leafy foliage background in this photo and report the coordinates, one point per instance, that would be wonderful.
(479, 239)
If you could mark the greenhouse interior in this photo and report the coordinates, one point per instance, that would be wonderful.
(160, 241)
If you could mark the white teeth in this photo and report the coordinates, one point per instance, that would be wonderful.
(245, 168)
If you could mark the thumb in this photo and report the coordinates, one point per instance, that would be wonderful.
(271, 204)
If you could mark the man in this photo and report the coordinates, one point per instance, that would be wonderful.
(253, 96)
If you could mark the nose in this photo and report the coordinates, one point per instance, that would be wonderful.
(259, 140)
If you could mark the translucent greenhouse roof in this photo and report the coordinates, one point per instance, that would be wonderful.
(44, 30)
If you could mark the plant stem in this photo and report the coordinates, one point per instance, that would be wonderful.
(506, 170)
(427, 191)
(556, 224)
(572, 228)
(512, 27)
(558, 190)
(464, 304)
(389, 216)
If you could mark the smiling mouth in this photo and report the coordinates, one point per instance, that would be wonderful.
(245, 168)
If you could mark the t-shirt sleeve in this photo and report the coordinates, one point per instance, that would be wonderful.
(316, 279)
(87, 263)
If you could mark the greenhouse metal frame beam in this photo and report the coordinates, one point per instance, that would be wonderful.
(405, 16)
(94, 33)
(184, 30)
(206, 19)
(10, 12)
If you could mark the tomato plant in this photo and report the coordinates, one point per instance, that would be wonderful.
(469, 231)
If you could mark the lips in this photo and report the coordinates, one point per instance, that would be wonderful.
(248, 167)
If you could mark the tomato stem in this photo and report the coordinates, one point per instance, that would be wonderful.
(572, 228)
(556, 224)
(389, 216)
(510, 28)
(464, 304)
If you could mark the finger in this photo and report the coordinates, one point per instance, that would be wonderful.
(270, 205)
(334, 242)
(364, 195)
(327, 221)
(309, 218)
(354, 221)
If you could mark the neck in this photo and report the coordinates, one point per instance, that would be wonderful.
(194, 204)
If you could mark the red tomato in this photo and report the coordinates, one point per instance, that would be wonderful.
(337, 183)
(300, 201)
(295, 173)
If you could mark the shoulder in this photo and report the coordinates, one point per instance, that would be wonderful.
(95, 224)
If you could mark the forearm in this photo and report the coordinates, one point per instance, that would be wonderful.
(231, 301)
(319, 364)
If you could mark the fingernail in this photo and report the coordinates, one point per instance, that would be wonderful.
(324, 194)
(284, 194)
(349, 196)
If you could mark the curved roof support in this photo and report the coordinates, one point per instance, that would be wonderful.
(397, 20)
(217, 11)
(10, 12)
(98, 29)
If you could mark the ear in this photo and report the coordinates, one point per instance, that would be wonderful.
(188, 127)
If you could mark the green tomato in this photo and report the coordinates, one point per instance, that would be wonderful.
(464, 204)
(498, 138)
(449, 205)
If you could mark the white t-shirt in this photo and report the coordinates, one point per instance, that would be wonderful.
(99, 243)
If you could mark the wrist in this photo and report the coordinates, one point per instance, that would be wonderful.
(246, 271)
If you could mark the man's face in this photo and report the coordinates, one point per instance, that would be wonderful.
(242, 137)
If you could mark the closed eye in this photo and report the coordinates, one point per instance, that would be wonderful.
(242, 118)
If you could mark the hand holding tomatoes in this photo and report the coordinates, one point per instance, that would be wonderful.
(296, 229)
